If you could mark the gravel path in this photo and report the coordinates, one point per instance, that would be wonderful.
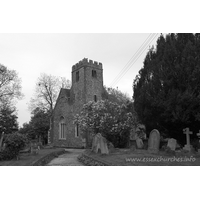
(68, 159)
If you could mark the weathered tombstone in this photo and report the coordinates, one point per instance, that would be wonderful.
(99, 144)
(198, 135)
(4, 146)
(154, 141)
(1, 140)
(133, 134)
(34, 148)
(187, 147)
(49, 139)
(111, 147)
(83, 142)
(139, 143)
(172, 144)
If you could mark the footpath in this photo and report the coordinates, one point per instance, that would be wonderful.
(70, 158)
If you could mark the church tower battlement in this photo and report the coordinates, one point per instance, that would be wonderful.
(87, 81)
(85, 61)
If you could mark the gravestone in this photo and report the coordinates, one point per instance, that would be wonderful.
(49, 137)
(154, 141)
(172, 144)
(99, 144)
(34, 148)
(1, 140)
(187, 147)
(139, 143)
(198, 135)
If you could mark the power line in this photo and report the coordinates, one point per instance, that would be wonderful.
(136, 56)
(149, 36)
(139, 52)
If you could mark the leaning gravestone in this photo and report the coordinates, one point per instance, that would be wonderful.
(154, 141)
(99, 144)
(172, 144)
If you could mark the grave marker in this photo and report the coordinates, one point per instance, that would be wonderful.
(154, 141)
(198, 135)
(187, 131)
(1, 140)
(172, 144)
(99, 144)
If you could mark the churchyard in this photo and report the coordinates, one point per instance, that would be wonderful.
(146, 152)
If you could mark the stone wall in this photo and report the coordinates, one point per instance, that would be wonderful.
(63, 108)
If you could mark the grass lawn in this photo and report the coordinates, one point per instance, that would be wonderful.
(126, 157)
(28, 159)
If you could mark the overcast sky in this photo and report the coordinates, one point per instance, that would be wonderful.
(33, 54)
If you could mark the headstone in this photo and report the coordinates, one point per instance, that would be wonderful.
(154, 141)
(49, 139)
(187, 147)
(34, 148)
(111, 147)
(133, 134)
(1, 140)
(198, 135)
(139, 143)
(83, 142)
(99, 144)
(172, 144)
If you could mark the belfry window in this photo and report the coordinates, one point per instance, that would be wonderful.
(62, 129)
(77, 76)
(94, 73)
(95, 98)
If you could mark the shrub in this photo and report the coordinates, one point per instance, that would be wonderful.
(14, 143)
(112, 120)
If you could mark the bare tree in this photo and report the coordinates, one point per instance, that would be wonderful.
(46, 91)
(10, 86)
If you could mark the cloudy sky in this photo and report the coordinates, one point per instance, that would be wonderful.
(33, 54)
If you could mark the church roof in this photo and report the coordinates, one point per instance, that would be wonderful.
(65, 92)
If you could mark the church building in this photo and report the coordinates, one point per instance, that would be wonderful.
(87, 85)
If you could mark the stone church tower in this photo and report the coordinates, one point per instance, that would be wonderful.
(87, 85)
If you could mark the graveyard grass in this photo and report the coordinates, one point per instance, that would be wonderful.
(119, 157)
(28, 159)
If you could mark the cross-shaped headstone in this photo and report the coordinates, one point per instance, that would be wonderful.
(188, 133)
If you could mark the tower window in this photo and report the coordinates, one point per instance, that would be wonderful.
(62, 128)
(77, 76)
(94, 73)
(95, 98)
(76, 130)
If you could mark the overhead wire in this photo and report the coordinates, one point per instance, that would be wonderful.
(149, 36)
(134, 58)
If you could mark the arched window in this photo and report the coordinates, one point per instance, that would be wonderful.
(76, 130)
(62, 128)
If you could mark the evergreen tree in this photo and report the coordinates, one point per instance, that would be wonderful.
(8, 120)
(38, 126)
(167, 88)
